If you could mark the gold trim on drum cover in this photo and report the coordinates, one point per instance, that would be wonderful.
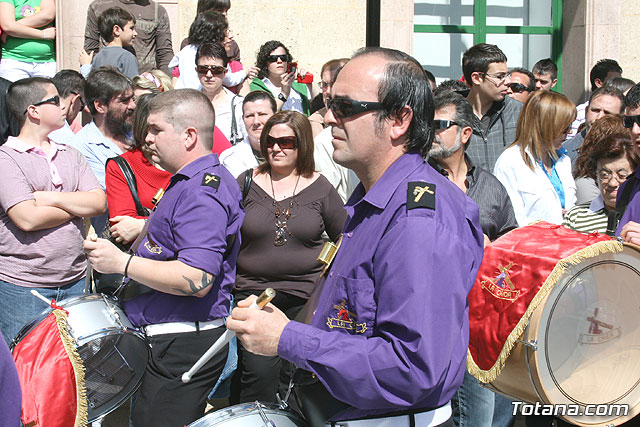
(78, 368)
(591, 251)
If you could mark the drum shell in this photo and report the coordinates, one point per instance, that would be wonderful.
(522, 375)
(108, 344)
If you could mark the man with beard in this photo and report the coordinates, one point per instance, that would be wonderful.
(453, 121)
(109, 95)
(453, 128)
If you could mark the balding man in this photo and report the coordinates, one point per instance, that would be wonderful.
(184, 265)
(388, 338)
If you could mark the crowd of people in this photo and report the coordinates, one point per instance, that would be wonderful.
(201, 182)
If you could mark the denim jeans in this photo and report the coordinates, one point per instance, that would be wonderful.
(18, 307)
(477, 406)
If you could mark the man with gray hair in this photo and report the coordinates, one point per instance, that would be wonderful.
(184, 263)
(453, 120)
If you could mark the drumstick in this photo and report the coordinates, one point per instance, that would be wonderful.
(224, 339)
(40, 297)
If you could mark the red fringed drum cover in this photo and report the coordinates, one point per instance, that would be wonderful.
(517, 272)
(51, 376)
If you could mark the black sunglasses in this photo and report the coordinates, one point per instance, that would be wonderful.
(54, 100)
(628, 121)
(518, 87)
(274, 58)
(284, 142)
(345, 107)
(444, 124)
(215, 69)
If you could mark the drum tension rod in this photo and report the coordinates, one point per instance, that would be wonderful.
(267, 422)
(533, 345)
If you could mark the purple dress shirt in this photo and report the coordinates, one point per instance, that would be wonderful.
(10, 395)
(391, 329)
(632, 213)
(198, 223)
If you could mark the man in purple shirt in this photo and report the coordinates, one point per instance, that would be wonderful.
(185, 263)
(389, 334)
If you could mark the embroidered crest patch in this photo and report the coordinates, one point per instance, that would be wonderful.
(501, 286)
(345, 319)
(421, 195)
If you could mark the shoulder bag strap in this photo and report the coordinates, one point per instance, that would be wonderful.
(247, 183)
(131, 182)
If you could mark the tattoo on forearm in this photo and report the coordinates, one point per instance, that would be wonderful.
(207, 280)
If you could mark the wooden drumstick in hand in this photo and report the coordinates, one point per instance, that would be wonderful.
(224, 339)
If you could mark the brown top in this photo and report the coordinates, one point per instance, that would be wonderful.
(292, 267)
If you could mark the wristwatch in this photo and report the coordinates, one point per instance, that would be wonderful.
(281, 97)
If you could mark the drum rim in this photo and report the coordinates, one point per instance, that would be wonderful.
(533, 332)
(269, 407)
(28, 327)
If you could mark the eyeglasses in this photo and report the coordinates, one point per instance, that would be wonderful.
(274, 58)
(323, 85)
(444, 124)
(345, 107)
(54, 100)
(518, 87)
(628, 121)
(215, 69)
(284, 142)
(500, 77)
(82, 103)
(606, 176)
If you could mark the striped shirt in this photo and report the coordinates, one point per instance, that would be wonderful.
(43, 258)
(587, 217)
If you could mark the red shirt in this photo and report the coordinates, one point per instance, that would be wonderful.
(148, 180)
(220, 142)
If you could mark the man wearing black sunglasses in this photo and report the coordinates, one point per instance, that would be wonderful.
(496, 115)
(522, 84)
(376, 329)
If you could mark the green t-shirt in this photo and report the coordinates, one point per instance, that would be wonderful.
(28, 50)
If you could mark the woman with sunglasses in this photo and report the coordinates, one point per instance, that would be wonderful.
(211, 66)
(274, 76)
(535, 169)
(287, 209)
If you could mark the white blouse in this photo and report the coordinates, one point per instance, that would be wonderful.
(531, 192)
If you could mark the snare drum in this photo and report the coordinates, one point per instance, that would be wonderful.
(577, 340)
(250, 414)
(113, 352)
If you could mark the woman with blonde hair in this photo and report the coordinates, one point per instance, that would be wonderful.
(154, 81)
(535, 169)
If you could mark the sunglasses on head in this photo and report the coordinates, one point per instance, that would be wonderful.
(284, 142)
(215, 69)
(444, 124)
(274, 58)
(517, 87)
(345, 107)
(628, 121)
(54, 100)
